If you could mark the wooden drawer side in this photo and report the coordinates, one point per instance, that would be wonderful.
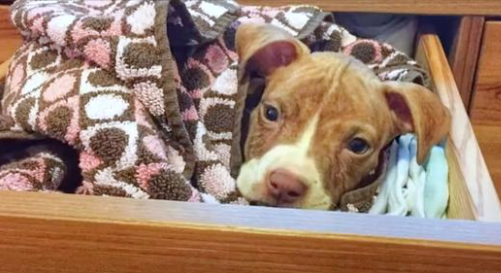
(472, 189)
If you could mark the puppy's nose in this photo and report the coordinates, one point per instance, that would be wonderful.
(285, 187)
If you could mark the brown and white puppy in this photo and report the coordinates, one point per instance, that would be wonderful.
(322, 121)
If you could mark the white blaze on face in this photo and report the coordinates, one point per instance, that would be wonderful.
(294, 158)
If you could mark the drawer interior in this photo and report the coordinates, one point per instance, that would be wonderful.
(43, 232)
(472, 194)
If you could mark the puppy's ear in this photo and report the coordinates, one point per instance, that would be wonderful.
(417, 110)
(262, 48)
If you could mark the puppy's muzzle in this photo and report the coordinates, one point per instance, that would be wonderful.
(285, 188)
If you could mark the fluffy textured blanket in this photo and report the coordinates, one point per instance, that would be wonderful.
(146, 93)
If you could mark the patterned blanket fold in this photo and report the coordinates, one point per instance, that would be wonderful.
(146, 94)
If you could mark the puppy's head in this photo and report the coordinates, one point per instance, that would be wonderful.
(323, 120)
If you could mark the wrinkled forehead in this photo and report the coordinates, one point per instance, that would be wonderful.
(325, 78)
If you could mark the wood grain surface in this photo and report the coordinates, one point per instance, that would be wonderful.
(62, 233)
(486, 104)
(489, 139)
(4, 68)
(464, 55)
(10, 40)
(461, 204)
(453, 7)
(463, 143)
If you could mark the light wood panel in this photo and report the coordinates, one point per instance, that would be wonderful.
(60, 233)
(10, 40)
(4, 67)
(462, 141)
(461, 204)
(464, 55)
(489, 139)
(453, 7)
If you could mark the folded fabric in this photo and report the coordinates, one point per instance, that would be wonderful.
(411, 189)
(147, 92)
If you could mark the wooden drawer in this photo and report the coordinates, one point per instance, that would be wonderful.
(68, 233)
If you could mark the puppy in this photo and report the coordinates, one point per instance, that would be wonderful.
(323, 121)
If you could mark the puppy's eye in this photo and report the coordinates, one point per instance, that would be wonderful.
(358, 145)
(270, 113)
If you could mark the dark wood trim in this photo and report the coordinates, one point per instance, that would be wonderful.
(464, 55)
(435, 7)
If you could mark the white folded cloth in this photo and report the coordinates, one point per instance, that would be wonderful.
(411, 189)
